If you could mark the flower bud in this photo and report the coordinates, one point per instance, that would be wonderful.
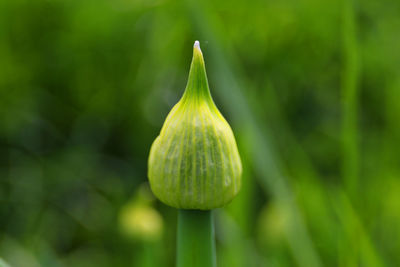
(194, 163)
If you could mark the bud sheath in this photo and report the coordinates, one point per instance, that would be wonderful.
(194, 163)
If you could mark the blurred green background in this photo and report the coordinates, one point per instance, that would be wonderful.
(311, 89)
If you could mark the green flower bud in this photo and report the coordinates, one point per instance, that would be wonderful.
(194, 163)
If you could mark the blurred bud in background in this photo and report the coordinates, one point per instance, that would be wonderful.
(138, 218)
(272, 224)
(142, 224)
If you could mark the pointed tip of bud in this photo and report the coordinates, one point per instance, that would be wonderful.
(196, 48)
(197, 82)
(196, 44)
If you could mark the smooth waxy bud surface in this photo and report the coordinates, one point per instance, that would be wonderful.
(194, 163)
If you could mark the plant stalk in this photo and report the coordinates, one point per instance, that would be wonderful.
(196, 240)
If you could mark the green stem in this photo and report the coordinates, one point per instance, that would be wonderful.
(196, 241)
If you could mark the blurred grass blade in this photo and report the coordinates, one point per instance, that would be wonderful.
(350, 92)
(357, 238)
